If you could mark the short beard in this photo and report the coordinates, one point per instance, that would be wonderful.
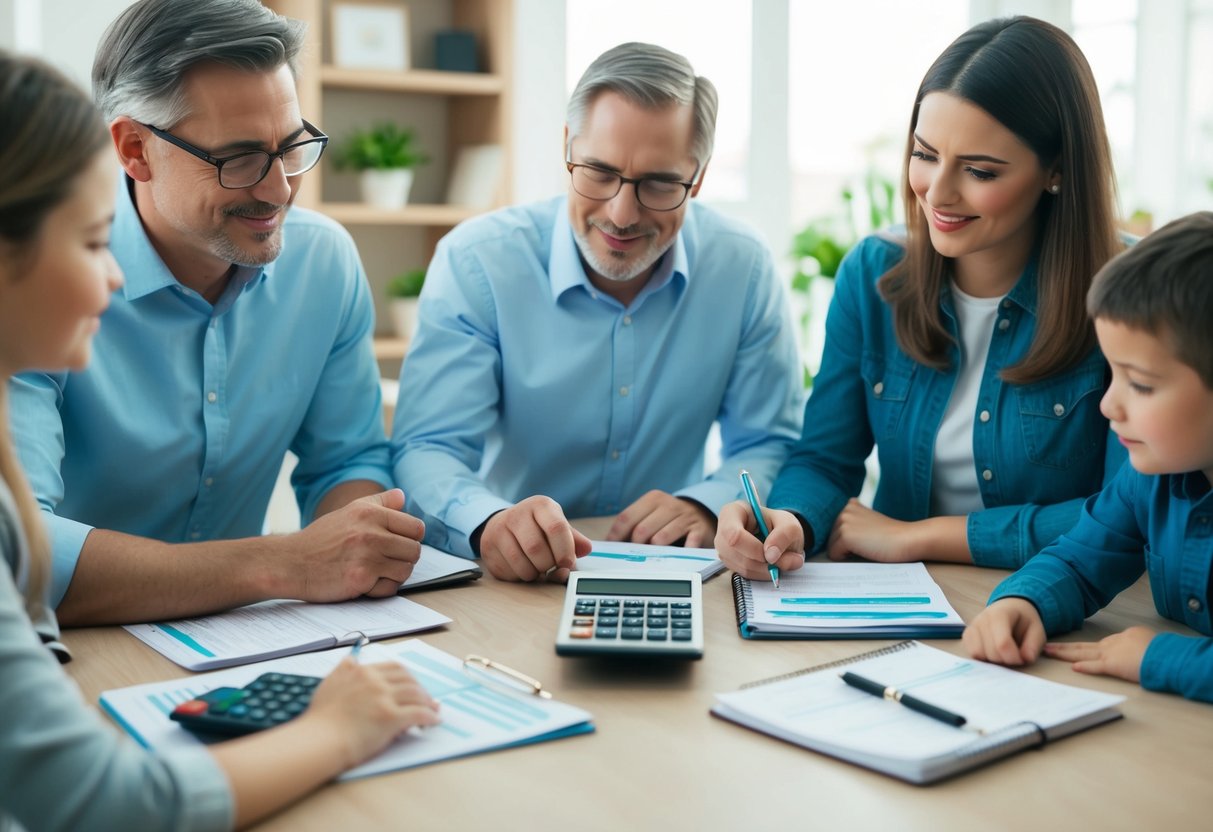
(622, 266)
(224, 247)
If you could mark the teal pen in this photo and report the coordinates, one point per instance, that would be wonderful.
(357, 648)
(752, 496)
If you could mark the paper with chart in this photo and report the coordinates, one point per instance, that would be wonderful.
(818, 710)
(475, 717)
(616, 556)
(852, 598)
(278, 628)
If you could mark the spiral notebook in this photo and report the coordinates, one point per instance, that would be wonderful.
(846, 600)
(1006, 711)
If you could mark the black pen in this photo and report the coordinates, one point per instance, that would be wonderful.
(911, 702)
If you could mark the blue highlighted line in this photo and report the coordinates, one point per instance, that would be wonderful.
(645, 558)
(853, 615)
(887, 599)
(186, 640)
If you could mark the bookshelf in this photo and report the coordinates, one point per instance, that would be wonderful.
(447, 110)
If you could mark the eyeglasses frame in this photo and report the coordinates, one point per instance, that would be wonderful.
(219, 162)
(635, 183)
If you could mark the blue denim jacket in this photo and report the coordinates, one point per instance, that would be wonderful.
(1039, 449)
(1160, 524)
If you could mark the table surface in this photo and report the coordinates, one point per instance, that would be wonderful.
(658, 758)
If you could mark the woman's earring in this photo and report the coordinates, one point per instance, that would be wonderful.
(1055, 189)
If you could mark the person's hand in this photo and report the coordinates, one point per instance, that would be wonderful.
(367, 547)
(1009, 631)
(745, 554)
(531, 540)
(663, 519)
(366, 706)
(1117, 655)
(858, 530)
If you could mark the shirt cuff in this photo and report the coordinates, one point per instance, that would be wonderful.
(711, 494)
(995, 542)
(464, 518)
(67, 539)
(1178, 664)
(1042, 595)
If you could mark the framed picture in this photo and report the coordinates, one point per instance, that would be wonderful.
(370, 35)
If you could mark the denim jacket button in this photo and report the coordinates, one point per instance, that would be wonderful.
(1003, 324)
(1059, 409)
(987, 475)
(1194, 604)
(878, 388)
(985, 416)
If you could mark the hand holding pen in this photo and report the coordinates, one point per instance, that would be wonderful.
(738, 543)
(751, 496)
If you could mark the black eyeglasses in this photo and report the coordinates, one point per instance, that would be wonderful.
(244, 170)
(601, 184)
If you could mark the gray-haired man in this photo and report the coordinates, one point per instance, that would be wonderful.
(573, 354)
(243, 330)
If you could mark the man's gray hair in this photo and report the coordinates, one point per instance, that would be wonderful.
(145, 53)
(651, 77)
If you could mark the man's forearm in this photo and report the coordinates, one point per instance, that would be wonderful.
(123, 579)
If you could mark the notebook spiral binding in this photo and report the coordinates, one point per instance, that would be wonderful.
(871, 654)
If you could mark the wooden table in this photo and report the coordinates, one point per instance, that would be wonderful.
(658, 760)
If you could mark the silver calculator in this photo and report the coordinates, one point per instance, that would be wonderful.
(654, 614)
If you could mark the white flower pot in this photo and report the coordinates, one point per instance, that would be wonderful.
(386, 188)
(403, 312)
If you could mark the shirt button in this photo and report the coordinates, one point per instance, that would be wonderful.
(985, 416)
(987, 475)
(1059, 409)
(623, 391)
(195, 535)
(1006, 304)
(1003, 324)
(1194, 604)
(211, 397)
(208, 482)
(627, 320)
(614, 454)
(878, 388)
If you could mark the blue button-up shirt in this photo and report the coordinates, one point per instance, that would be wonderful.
(177, 429)
(1159, 524)
(1038, 449)
(524, 379)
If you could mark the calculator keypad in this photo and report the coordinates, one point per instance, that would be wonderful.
(615, 619)
(269, 700)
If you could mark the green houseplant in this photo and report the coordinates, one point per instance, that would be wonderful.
(402, 291)
(385, 156)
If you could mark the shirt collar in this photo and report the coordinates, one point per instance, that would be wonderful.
(1192, 486)
(565, 270)
(143, 270)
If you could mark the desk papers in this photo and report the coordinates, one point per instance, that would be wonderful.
(616, 556)
(437, 568)
(475, 717)
(281, 628)
(846, 600)
(1007, 711)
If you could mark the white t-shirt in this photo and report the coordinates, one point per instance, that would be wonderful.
(954, 487)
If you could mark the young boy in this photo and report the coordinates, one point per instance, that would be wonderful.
(1153, 311)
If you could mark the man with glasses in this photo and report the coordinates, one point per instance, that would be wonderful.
(573, 354)
(243, 331)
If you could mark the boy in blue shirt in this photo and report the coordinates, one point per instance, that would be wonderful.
(1152, 307)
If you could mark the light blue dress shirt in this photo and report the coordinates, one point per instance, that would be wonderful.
(1038, 449)
(1162, 525)
(524, 379)
(177, 429)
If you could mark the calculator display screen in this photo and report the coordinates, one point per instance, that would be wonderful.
(611, 586)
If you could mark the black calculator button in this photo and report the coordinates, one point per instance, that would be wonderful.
(238, 711)
(681, 624)
(294, 708)
(657, 635)
(657, 620)
(680, 614)
(612, 603)
(608, 621)
(257, 713)
(632, 633)
(633, 605)
(681, 605)
(681, 635)
(658, 605)
(629, 621)
(605, 632)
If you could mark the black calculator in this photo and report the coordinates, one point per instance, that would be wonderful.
(270, 699)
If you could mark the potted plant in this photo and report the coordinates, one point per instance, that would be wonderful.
(384, 156)
(402, 292)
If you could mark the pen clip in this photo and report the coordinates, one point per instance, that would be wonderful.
(360, 642)
(503, 675)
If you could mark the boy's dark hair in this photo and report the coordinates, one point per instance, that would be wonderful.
(1164, 285)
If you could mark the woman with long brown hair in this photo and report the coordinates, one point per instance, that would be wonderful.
(961, 348)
